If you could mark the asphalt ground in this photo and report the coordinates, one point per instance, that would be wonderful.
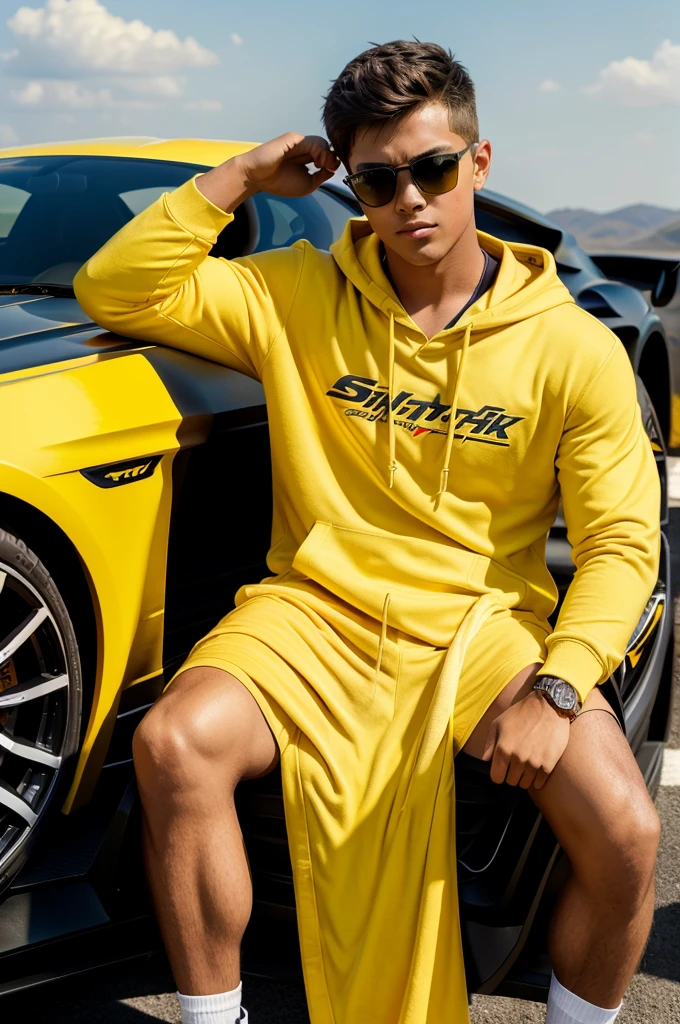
(143, 991)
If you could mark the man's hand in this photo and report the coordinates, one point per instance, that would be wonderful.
(526, 742)
(278, 166)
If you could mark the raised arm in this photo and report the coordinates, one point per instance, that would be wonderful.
(155, 281)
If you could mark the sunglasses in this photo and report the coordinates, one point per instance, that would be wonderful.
(433, 175)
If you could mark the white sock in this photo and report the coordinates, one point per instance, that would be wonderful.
(220, 1008)
(565, 1007)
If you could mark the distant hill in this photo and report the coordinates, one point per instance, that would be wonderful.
(667, 237)
(640, 226)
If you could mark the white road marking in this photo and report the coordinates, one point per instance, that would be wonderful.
(674, 481)
(670, 772)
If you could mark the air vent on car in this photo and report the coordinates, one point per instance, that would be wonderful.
(628, 334)
(591, 300)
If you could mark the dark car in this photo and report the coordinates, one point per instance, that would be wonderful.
(118, 552)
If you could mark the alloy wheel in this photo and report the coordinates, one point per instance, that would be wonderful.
(35, 708)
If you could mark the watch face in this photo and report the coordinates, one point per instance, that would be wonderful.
(564, 695)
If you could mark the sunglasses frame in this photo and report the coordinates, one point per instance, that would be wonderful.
(403, 167)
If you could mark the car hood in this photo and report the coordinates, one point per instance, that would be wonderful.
(40, 330)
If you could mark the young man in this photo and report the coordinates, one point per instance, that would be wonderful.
(431, 390)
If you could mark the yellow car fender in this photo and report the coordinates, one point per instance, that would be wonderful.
(109, 411)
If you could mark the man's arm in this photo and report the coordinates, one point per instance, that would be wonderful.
(154, 279)
(611, 497)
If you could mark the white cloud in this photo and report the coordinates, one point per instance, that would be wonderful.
(161, 86)
(75, 54)
(30, 95)
(202, 105)
(635, 82)
(8, 135)
(83, 36)
(643, 138)
(57, 94)
(548, 85)
(236, 39)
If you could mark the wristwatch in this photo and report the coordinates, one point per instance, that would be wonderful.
(560, 694)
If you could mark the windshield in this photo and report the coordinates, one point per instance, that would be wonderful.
(56, 211)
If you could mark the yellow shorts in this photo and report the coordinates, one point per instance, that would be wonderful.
(277, 648)
(370, 818)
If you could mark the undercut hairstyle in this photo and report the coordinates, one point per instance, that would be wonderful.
(389, 81)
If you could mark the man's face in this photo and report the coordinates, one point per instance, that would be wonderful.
(425, 130)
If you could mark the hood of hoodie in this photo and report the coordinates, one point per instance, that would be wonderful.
(525, 286)
(526, 283)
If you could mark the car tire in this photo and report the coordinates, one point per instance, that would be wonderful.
(650, 420)
(40, 702)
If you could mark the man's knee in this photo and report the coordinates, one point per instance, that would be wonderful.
(635, 835)
(618, 859)
(205, 719)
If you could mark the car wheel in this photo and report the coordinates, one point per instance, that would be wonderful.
(40, 701)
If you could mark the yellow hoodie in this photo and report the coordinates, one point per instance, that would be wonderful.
(415, 480)
(413, 516)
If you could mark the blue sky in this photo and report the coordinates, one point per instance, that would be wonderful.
(580, 101)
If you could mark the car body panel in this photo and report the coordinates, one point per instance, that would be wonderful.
(657, 277)
(117, 408)
(203, 151)
(110, 411)
(41, 331)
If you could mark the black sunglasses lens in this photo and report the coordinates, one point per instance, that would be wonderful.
(374, 187)
(436, 174)
(432, 174)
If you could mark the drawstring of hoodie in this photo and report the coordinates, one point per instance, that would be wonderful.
(453, 415)
(390, 391)
(392, 465)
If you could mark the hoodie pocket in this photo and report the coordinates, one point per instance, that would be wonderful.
(430, 582)
(360, 561)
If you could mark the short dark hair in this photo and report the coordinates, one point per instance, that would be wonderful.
(389, 81)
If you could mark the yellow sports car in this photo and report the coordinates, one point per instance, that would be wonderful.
(135, 499)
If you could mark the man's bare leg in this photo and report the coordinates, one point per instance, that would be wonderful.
(203, 735)
(596, 803)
